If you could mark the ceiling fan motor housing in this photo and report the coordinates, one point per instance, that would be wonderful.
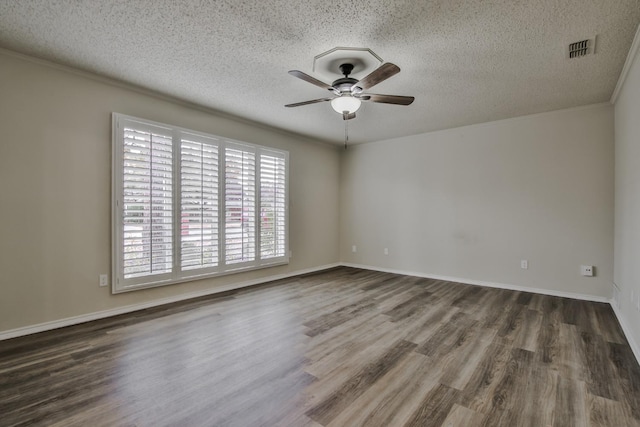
(344, 84)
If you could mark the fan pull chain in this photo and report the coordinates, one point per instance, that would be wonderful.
(346, 133)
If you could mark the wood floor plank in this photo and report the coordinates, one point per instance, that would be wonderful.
(469, 297)
(606, 412)
(570, 311)
(536, 302)
(571, 360)
(628, 377)
(586, 320)
(481, 388)
(526, 337)
(447, 335)
(524, 298)
(358, 384)
(392, 297)
(460, 416)
(460, 363)
(394, 398)
(424, 328)
(542, 386)
(409, 307)
(331, 320)
(507, 404)
(600, 367)
(511, 322)
(549, 335)
(345, 338)
(608, 325)
(343, 347)
(551, 305)
(353, 356)
(435, 407)
(571, 403)
(500, 298)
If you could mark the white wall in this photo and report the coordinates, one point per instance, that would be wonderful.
(627, 197)
(471, 202)
(55, 175)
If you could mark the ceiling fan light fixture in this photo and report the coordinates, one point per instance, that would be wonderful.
(345, 103)
(349, 90)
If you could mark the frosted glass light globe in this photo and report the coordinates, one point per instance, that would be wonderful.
(345, 103)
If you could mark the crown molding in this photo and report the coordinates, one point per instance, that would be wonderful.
(635, 47)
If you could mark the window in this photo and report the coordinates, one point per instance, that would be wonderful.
(187, 205)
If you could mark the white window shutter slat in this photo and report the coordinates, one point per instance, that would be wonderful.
(199, 205)
(147, 215)
(272, 206)
(240, 205)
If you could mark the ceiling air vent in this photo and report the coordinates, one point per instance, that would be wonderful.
(582, 48)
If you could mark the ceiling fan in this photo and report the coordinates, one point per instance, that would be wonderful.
(349, 91)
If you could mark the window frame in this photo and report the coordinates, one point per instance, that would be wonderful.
(178, 275)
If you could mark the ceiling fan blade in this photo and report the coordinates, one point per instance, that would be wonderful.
(348, 116)
(313, 101)
(378, 75)
(388, 99)
(308, 78)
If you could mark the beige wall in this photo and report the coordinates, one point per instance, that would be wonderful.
(627, 196)
(471, 202)
(55, 175)
(468, 203)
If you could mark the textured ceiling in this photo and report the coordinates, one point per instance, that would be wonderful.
(465, 61)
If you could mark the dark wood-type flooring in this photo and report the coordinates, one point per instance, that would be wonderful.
(345, 347)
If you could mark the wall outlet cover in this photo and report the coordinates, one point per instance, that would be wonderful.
(586, 270)
(104, 280)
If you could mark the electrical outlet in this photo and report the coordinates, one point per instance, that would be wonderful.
(386, 251)
(354, 249)
(104, 280)
(524, 264)
(586, 270)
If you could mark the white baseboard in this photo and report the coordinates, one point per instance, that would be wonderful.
(627, 331)
(55, 324)
(41, 327)
(584, 297)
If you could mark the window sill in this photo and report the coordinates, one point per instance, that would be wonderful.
(129, 288)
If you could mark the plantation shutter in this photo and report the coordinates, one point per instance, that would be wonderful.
(240, 205)
(199, 204)
(272, 206)
(147, 212)
(189, 205)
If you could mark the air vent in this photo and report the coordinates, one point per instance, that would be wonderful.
(581, 48)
